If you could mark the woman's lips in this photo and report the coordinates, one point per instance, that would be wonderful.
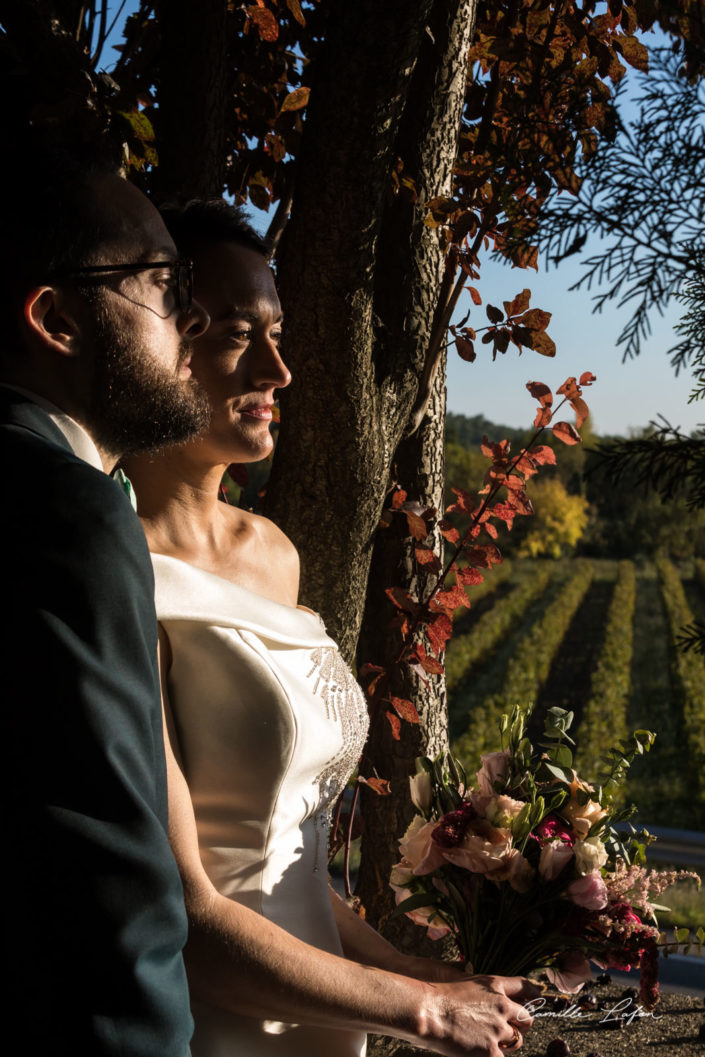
(258, 411)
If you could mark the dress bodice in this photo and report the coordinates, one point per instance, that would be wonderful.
(270, 723)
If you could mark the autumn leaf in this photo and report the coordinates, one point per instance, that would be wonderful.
(402, 599)
(429, 664)
(448, 531)
(543, 417)
(535, 319)
(395, 724)
(140, 123)
(439, 631)
(541, 343)
(495, 315)
(296, 100)
(484, 556)
(405, 709)
(450, 599)
(541, 393)
(519, 304)
(418, 529)
(581, 410)
(587, 378)
(634, 52)
(544, 454)
(466, 349)
(398, 498)
(566, 432)
(430, 561)
(266, 23)
(474, 294)
(469, 576)
(295, 8)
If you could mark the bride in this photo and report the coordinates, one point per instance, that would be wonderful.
(264, 724)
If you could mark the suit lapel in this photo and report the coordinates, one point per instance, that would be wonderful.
(19, 411)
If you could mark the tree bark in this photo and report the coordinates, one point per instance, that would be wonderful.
(193, 95)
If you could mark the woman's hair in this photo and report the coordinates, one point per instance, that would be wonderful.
(201, 222)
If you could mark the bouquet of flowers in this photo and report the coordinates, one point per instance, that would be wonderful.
(526, 869)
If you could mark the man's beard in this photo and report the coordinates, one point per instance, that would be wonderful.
(137, 404)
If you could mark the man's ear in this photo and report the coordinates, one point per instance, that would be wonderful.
(50, 322)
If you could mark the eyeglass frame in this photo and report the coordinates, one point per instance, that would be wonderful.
(182, 267)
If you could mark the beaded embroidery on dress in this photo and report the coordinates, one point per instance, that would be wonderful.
(270, 725)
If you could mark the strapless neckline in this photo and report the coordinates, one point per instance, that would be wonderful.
(214, 599)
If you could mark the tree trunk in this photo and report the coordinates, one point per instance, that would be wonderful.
(359, 274)
(193, 96)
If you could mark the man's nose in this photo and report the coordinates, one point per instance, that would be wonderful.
(195, 321)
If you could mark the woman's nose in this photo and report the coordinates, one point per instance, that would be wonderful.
(268, 368)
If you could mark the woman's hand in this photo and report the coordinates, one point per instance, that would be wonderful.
(481, 1016)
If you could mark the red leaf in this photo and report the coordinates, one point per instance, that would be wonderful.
(544, 454)
(398, 498)
(439, 631)
(474, 294)
(587, 378)
(506, 512)
(466, 349)
(535, 319)
(519, 304)
(425, 556)
(418, 528)
(405, 709)
(484, 556)
(402, 599)
(267, 25)
(541, 392)
(297, 99)
(543, 417)
(567, 433)
(448, 531)
(429, 664)
(569, 388)
(450, 599)
(381, 786)
(581, 410)
(395, 724)
(541, 343)
(470, 576)
(491, 530)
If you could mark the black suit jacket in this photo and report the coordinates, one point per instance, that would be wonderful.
(94, 910)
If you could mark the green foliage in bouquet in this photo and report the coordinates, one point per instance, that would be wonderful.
(527, 869)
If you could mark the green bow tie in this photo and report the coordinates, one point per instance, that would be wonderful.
(121, 478)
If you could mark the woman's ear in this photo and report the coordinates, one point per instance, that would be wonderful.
(49, 321)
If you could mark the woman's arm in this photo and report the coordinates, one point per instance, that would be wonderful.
(238, 960)
(364, 944)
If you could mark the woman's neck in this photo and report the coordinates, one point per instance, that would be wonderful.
(177, 501)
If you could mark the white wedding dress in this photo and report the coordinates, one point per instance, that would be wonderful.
(270, 724)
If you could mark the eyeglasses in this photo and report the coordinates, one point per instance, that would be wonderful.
(181, 275)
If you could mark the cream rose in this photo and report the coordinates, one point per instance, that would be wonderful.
(590, 855)
(418, 848)
(581, 816)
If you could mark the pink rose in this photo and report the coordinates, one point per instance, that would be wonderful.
(555, 856)
(483, 849)
(418, 848)
(589, 892)
(495, 766)
(571, 973)
(520, 874)
(581, 816)
(424, 916)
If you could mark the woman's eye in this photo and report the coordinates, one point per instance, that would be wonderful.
(244, 334)
(275, 336)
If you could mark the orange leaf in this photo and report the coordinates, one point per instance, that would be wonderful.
(535, 319)
(439, 631)
(519, 304)
(429, 664)
(295, 8)
(417, 526)
(474, 294)
(468, 575)
(405, 709)
(567, 433)
(544, 454)
(581, 410)
(451, 599)
(485, 556)
(543, 417)
(466, 349)
(541, 393)
(541, 343)
(587, 378)
(267, 25)
(296, 100)
(448, 531)
(398, 498)
(402, 598)
(381, 786)
(425, 556)
(569, 388)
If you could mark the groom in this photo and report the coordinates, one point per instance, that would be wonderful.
(94, 363)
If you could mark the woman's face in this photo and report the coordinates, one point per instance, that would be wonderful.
(237, 359)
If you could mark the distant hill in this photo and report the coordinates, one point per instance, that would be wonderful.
(469, 431)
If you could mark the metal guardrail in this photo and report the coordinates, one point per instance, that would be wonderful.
(679, 847)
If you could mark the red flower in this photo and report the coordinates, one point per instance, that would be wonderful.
(553, 828)
(451, 830)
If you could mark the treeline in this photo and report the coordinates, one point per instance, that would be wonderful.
(579, 509)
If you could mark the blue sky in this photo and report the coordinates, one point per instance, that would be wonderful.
(626, 395)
